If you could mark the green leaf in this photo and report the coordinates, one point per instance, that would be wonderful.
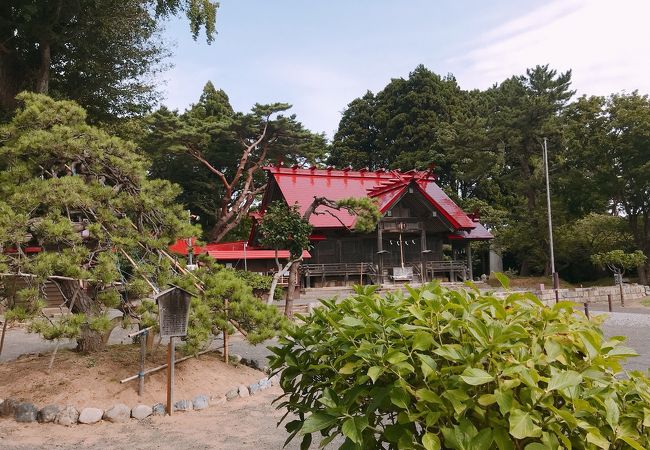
(431, 441)
(563, 380)
(482, 441)
(476, 376)
(422, 341)
(504, 399)
(399, 397)
(316, 422)
(427, 395)
(504, 280)
(450, 352)
(375, 372)
(612, 412)
(502, 439)
(594, 437)
(487, 399)
(522, 425)
(349, 368)
(353, 428)
(428, 364)
(537, 446)
(395, 357)
(632, 443)
(350, 321)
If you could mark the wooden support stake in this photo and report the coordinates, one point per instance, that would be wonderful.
(164, 366)
(225, 334)
(586, 309)
(609, 301)
(143, 353)
(170, 376)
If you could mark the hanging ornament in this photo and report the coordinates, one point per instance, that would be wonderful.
(413, 241)
(406, 242)
(391, 242)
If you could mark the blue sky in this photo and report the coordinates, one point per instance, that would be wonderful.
(320, 55)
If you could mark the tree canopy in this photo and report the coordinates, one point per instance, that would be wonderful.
(101, 54)
(486, 149)
(84, 199)
(216, 154)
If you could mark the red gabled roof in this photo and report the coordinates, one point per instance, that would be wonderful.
(299, 186)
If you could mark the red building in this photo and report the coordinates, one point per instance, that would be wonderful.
(422, 234)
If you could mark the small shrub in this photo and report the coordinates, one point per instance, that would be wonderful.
(459, 370)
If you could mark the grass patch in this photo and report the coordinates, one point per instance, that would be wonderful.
(645, 301)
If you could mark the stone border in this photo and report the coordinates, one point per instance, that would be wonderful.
(26, 412)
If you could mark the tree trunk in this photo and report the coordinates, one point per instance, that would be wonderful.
(291, 287)
(9, 82)
(80, 302)
(43, 76)
(644, 273)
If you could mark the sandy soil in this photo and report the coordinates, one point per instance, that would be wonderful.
(242, 424)
(94, 380)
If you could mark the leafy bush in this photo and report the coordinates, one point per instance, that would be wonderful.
(459, 370)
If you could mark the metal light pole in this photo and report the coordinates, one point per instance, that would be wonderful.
(556, 279)
(245, 260)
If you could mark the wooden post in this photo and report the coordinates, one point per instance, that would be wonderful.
(225, 333)
(2, 337)
(586, 309)
(609, 301)
(170, 376)
(380, 253)
(556, 286)
(469, 260)
(143, 352)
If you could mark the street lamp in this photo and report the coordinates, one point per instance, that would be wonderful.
(556, 278)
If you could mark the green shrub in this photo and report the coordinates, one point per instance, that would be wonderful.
(459, 370)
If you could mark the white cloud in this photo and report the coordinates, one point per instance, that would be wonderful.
(606, 44)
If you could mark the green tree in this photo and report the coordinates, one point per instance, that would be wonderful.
(225, 152)
(525, 110)
(84, 198)
(223, 299)
(283, 227)
(576, 241)
(99, 53)
(627, 165)
(618, 262)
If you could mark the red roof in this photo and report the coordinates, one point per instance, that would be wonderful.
(229, 251)
(299, 186)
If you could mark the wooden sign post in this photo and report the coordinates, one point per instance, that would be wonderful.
(173, 315)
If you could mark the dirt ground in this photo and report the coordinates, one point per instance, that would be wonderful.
(94, 380)
(242, 424)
